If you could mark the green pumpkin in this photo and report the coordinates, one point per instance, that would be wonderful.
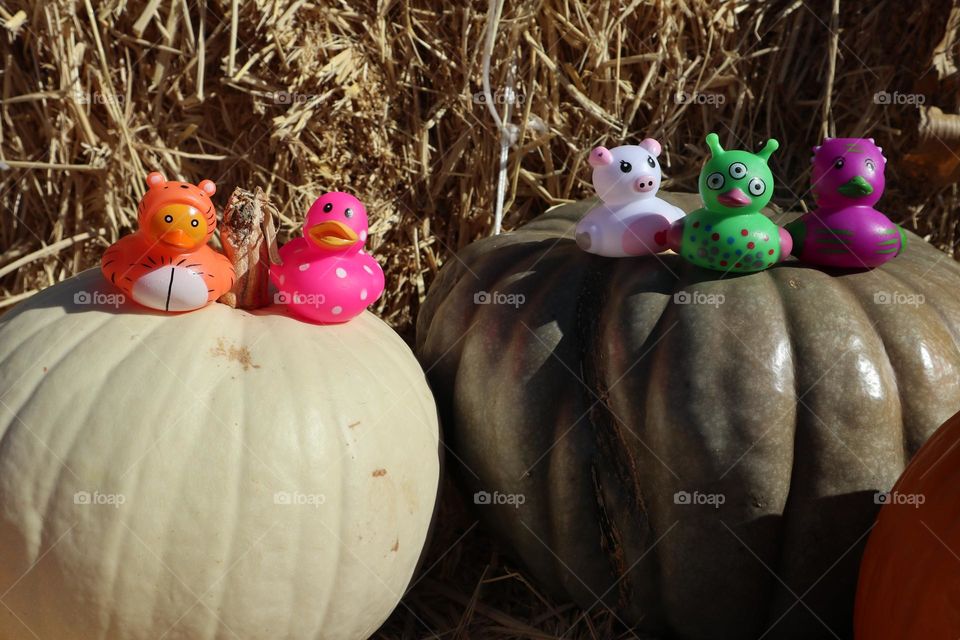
(692, 450)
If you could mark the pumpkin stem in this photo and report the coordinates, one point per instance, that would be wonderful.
(250, 243)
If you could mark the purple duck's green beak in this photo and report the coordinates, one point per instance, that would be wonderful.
(855, 187)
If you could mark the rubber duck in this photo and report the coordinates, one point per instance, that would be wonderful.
(845, 230)
(729, 233)
(167, 264)
(326, 276)
(631, 220)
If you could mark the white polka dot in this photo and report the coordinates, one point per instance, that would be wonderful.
(304, 266)
(363, 236)
(368, 269)
(336, 311)
(341, 272)
(363, 294)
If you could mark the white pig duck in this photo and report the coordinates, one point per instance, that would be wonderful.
(631, 220)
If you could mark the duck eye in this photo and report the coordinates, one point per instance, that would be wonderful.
(327, 208)
(737, 170)
(651, 162)
(756, 186)
(625, 167)
(715, 180)
(871, 165)
(838, 163)
(348, 212)
(168, 218)
(194, 223)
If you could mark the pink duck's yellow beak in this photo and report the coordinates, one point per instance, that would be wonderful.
(332, 235)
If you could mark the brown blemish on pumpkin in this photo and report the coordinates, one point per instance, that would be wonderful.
(237, 354)
(396, 545)
(794, 284)
(379, 473)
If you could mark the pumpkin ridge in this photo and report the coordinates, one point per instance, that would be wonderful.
(603, 424)
(891, 269)
(773, 616)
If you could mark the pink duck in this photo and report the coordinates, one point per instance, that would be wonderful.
(326, 276)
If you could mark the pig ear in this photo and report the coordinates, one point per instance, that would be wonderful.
(155, 179)
(652, 146)
(208, 187)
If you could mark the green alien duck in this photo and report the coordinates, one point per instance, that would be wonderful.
(729, 233)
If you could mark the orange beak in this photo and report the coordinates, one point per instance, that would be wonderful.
(332, 235)
(178, 238)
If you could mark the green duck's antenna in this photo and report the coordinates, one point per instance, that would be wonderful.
(713, 141)
(768, 149)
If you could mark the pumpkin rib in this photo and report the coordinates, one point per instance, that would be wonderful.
(627, 275)
(911, 438)
(603, 424)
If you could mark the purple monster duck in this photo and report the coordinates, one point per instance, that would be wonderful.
(845, 230)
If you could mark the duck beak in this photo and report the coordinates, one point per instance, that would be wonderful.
(734, 198)
(332, 235)
(855, 187)
(177, 238)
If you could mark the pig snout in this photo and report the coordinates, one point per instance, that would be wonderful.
(645, 184)
(600, 157)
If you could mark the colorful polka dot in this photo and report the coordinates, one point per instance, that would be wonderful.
(363, 236)
(730, 240)
(766, 238)
(737, 264)
(715, 237)
(363, 294)
(723, 263)
(368, 269)
(336, 310)
(726, 255)
(744, 232)
(770, 252)
(304, 266)
(693, 238)
(701, 252)
(714, 250)
(696, 225)
(709, 227)
(739, 252)
(750, 245)
(341, 272)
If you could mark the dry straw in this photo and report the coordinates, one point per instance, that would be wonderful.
(385, 99)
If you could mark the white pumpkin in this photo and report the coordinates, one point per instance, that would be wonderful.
(215, 474)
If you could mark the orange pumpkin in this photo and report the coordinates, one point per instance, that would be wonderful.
(909, 583)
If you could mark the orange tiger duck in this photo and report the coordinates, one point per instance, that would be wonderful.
(167, 264)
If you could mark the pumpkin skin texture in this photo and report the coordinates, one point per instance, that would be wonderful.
(269, 478)
(909, 578)
(601, 396)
